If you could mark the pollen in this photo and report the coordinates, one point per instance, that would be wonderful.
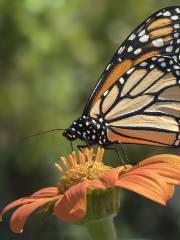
(79, 167)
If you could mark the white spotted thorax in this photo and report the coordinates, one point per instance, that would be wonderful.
(89, 130)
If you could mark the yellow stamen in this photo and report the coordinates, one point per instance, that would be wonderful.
(60, 169)
(101, 154)
(81, 158)
(72, 160)
(90, 156)
(74, 156)
(98, 155)
(64, 161)
(81, 167)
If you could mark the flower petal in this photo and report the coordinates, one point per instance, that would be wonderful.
(96, 184)
(110, 177)
(14, 204)
(72, 206)
(166, 165)
(46, 192)
(151, 179)
(140, 189)
(19, 217)
(43, 193)
(171, 190)
(169, 158)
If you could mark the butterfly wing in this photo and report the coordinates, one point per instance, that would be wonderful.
(143, 106)
(157, 35)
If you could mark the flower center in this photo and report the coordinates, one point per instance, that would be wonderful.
(79, 168)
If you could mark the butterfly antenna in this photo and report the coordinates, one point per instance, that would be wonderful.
(72, 146)
(40, 133)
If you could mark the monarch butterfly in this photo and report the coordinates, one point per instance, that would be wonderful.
(137, 99)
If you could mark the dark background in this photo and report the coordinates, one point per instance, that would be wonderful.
(51, 55)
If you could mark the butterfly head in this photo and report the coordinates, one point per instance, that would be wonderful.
(70, 134)
(76, 130)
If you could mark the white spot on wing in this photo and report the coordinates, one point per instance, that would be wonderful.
(143, 64)
(154, 58)
(158, 42)
(130, 48)
(137, 51)
(144, 38)
(177, 73)
(177, 10)
(169, 49)
(132, 37)
(130, 70)
(106, 92)
(161, 60)
(121, 80)
(159, 14)
(108, 66)
(176, 35)
(167, 14)
(177, 50)
(121, 49)
(142, 33)
(176, 26)
(171, 62)
(163, 64)
(152, 66)
(175, 17)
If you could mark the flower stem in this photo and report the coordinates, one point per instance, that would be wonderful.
(102, 229)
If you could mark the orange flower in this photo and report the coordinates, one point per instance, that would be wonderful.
(153, 178)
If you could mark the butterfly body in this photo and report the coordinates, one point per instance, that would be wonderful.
(92, 131)
(137, 99)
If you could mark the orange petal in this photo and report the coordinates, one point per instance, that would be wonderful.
(19, 217)
(170, 158)
(151, 181)
(14, 204)
(169, 172)
(46, 192)
(171, 190)
(144, 181)
(95, 184)
(147, 174)
(43, 193)
(142, 190)
(110, 177)
(166, 165)
(72, 206)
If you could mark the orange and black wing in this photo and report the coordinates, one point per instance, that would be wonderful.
(143, 106)
(158, 35)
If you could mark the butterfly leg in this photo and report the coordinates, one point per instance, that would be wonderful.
(72, 146)
(118, 154)
(124, 153)
(80, 147)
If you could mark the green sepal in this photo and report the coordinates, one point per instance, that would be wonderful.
(101, 203)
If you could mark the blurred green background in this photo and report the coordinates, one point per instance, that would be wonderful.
(51, 55)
